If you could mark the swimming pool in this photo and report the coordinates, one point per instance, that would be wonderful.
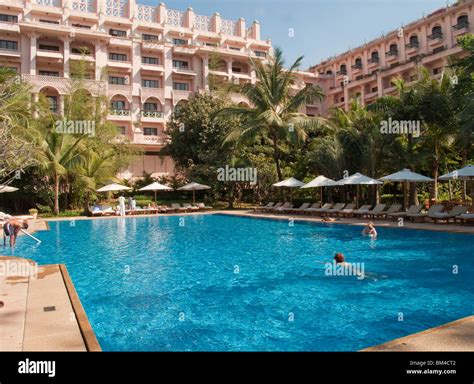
(219, 282)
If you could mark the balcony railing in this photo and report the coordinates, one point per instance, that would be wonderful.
(341, 73)
(463, 25)
(83, 5)
(374, 60)
(413, 44)
(119, 112)
(50, 3)
(357, 66)
(152, 114)
(436, 36)
(391, 53)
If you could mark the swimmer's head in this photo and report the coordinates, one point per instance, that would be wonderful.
(371, 225)
(339, 258)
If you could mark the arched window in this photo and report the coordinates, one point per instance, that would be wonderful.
(463, 22)
(413, 42)
(374, 57)
(436, 33)
(328, 72)
(358, 63)
(393, 50)
(342, 70)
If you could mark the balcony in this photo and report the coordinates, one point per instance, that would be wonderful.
(461, 28)
(373, 62)
(10, 53)
(184, 71)
(356, 68)
(120, 114)
(154, 45)
(391, 56)
(140, 138)
(412, 48)
(435, 39)
(14, 4)
(120, 42)
(47, 6)
(152, 67)
(184, 49)
(151, 116)
(58, 55)
(119, 64)
(341, 73)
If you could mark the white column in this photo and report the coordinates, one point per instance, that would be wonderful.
(66, 53)
(33, 54)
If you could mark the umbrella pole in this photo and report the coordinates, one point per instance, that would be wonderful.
(357, 195)
(321, 197)
(194, 196)
(155, 196)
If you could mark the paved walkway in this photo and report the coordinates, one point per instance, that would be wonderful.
(39, 312)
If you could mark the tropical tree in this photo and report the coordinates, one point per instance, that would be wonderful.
(274, 114)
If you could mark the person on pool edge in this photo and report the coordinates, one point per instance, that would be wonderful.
(11, 229)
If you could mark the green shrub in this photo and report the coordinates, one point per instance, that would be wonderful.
(44, 208)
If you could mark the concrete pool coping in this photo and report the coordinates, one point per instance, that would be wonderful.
(42, 310)
(454, 336)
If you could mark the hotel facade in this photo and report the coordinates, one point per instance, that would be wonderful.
(149, 59)
(366, 73)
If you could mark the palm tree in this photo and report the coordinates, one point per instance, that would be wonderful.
(274, 114)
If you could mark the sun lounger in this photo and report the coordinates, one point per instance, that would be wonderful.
(296, 210)
(281, 209)
(176, 207)
(315, 211)
(190, 208)
(446, 216)
(265, 209)
(338, 207)
(347, 210)
(412, 210)
(433, 209)
(392, 209)
(362, 210)
(261, 208)
(203, 207)
(465, 218)
(377, 209)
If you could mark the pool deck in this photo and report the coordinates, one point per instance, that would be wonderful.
(44, 313)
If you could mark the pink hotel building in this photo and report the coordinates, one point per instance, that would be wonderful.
(156, 58)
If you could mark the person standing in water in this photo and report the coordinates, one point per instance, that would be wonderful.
(370, 230)
(121, 200)
(11, 228)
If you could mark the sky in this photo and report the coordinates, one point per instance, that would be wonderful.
(315, 29)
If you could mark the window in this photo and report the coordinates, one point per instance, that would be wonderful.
(49, 73)
(413, 42)
(117, 57)
(147, 37)
(150, 83)
(210, 44)
(46, 47)
(150, 107)
(53, 103)
(117, 105)
(117, 33)
(463, 22)
(437, 71)
(374, 89)
(10, 45)
(150, 60)
(49, 21)
(342, 70)
(374, 57)
(181, 86)
(236, 69)
(436, 33)
(358, 63)
(328, 72)
(81, 26)
(117, 80)
(81, 50)
(8, 18)
(121, 130)
(150, 131)
(234, 49)
(179, 42)
(180, 64)
(260, 54)
(393, 50)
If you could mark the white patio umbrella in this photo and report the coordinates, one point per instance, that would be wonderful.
(114, 187)
(466, 173)
(358, 179)
(156, 187)
(7, 188)
(405, 175)
(320, 182)
(194, 187)
(289, 183)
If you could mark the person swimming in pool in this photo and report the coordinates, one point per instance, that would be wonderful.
(11, 229)
(370, 230)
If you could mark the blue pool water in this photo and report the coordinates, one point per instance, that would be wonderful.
(232, 283)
